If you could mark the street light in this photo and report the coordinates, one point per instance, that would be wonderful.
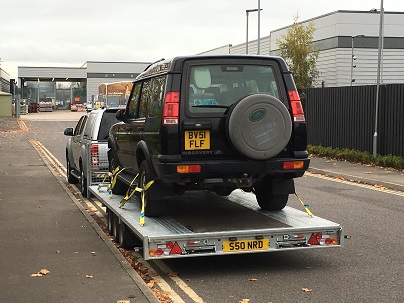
(379, 72)
(353, 56)
(247, 12)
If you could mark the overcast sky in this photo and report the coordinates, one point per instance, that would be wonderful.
(69, 33)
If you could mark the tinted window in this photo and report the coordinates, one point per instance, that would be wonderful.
(144, 99)
(108, 119)
(79, 127)
(132, 106)
(213, 88)
(156, 96)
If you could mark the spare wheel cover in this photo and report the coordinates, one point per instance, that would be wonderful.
(259, 126)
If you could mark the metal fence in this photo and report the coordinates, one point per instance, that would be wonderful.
(344, 117)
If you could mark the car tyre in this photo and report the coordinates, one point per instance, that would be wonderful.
(153, 207)
(119, 188)
(266, 199)
(259, 126)
(70, 178)
(84, 183)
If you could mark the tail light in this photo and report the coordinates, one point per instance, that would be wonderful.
(94, 155)
(296, 106)
(171, 108)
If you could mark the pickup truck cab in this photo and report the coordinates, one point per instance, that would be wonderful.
(86, 149)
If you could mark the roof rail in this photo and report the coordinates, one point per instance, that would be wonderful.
(162, 59)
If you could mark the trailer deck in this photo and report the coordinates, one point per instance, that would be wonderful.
(202, 223)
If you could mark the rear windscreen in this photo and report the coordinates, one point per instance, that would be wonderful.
(214, 88)
(108, 119)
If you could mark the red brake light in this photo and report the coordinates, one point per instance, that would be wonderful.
(296, 106)
(171, 108)
(94, 155)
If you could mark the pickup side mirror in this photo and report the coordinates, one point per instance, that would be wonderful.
(120, 115)
(68, 131)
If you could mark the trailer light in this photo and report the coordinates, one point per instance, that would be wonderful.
(169, 244)
(293, 165)
(319, 236)
(335, 241)
(152, 252)
(159, 251)
(186, 169)
(328, 241)
(176, 249)
(313, 240)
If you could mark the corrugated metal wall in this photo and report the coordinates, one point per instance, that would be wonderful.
(344, 117)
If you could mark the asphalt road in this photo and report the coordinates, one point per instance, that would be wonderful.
(369, 267)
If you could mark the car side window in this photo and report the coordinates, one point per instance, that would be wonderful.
(144, 99)
(156, 96)
(133, 102)
(80, 126)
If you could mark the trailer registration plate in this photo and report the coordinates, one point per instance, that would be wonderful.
(245, 245)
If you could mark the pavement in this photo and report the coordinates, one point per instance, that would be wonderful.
(42, 229)
(50, 250)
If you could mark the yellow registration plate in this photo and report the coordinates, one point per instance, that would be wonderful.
(245, 245)
(197, 139)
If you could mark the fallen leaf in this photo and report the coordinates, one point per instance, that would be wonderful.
(93, 253)
(244, 301)
(172, 274)
(252, 279)
(342, 178)
(123, 301)
(368, 172)
(89, 276)
(41, 273)
(44, 271)
(151, 283)
(304, 289)
(57, 251)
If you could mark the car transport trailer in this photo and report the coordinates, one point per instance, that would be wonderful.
(201, 223)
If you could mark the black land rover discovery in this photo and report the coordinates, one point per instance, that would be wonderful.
(213, 123)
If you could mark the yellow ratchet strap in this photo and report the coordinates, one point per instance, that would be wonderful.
(103, 180)
(306, 206)
(130, 193)
(146, 187)
(115, 174)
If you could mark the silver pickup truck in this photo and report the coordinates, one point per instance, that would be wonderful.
(87, 147)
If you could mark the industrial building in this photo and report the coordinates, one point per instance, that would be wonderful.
(348, 43)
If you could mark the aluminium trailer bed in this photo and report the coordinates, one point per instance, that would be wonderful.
(204, 224)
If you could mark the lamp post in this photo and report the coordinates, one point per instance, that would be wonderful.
(247, 12)
(379, 71)
(259, 27)
(353, 56)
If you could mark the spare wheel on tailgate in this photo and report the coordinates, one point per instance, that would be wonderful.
(259, 126)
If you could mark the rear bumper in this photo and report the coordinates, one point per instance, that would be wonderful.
(167, 171)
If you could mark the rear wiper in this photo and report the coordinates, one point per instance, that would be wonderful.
(212, 106)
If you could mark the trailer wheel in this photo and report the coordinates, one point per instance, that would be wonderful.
(110, 220)
(153, 207)
(70, 178)
(120, 188)
(115, 229)
(83, 181)
(126, 238)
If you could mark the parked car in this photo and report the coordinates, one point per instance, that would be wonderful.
(86, 149)
(212, 123)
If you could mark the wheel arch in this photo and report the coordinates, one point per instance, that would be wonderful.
(143, 153)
